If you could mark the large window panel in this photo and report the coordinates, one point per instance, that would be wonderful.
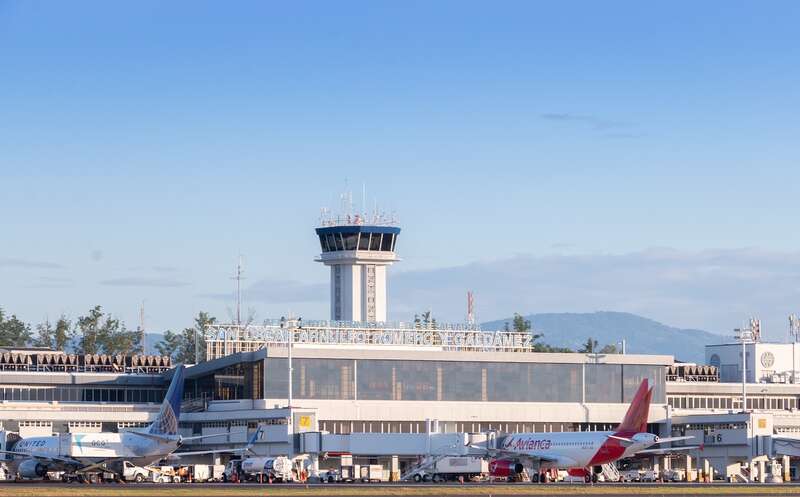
(375, 380)
(386, 244)
(461, 381)
(633, 376)
(350, 241)
(375, 241)
(604, 383)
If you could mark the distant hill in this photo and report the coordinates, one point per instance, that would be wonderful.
(642, 335)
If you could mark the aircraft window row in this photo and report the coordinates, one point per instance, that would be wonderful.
(335, 242)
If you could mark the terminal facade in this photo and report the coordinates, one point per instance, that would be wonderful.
(358, 374)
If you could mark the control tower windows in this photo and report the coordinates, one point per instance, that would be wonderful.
(350, 241)
(323, 243)
(386, 244)
(331, 242)
(375, 241)
(338, 239)
(363, 242)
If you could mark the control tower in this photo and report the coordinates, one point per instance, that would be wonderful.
(358, 251)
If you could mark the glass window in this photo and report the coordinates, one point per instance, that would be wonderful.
(375, 380)
(386, 243)
(633, 376)
(350, 241)
(604, 383)
(375, 241)
(337, 237)
(331, 242)
(363, 242)
(323, 242)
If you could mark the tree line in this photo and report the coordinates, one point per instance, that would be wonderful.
(522, 325)
(98, 332)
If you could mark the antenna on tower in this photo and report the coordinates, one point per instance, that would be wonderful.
(142, 329)
(470, 308)
(238, 277)
(794, 328)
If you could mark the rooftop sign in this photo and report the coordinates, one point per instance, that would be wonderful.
(443, 337)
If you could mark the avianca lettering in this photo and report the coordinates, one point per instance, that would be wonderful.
(527, 444)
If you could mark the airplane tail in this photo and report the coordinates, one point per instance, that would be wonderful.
(635, 420)
(166, 423)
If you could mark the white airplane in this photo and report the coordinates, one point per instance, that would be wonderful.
(84, 452)
(578, 452)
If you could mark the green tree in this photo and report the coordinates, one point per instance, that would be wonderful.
(63, 333)
(169, 344)
(13, 332)
(181, 347)
(609, 349)
(57, 338)
(103, 334)
(589, 347)
(425, 320)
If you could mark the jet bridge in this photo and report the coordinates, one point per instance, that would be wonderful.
(389, 444)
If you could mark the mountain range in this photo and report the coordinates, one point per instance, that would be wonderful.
(642, 335)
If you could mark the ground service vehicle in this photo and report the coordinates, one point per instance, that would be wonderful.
(453, 468)
(132, 472)
(269, 468)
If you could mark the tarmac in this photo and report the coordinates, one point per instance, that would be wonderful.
(58, 489)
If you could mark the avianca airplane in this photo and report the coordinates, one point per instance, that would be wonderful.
(578, 451)
(83, 452)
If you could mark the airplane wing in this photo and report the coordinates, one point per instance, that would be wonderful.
(673, 439)
(202, 452)
(670, 450)
(98, 464)
(43, 457)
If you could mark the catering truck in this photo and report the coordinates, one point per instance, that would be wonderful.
(452, 468)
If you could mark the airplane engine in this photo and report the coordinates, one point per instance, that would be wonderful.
(504, 468)
(32, 469)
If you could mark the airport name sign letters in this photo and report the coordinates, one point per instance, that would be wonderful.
(450, 338)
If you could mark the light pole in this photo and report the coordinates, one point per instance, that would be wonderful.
(744, 335)
(794, 334)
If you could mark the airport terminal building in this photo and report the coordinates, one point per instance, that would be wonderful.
(356, 373)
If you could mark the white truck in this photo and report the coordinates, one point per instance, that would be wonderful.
(451, 468)
(207, 472)
(131, 472)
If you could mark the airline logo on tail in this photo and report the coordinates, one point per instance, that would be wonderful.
(635, 420)
(166, 423)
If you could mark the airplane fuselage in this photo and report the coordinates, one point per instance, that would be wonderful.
(89, 448)
(573, 449)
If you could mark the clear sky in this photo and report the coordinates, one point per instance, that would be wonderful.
(145, 145)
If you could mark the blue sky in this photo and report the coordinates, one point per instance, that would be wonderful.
(144, 145)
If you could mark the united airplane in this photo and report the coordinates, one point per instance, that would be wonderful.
(578, 451)
(84, 452)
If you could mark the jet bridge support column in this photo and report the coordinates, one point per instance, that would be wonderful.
(787, 471)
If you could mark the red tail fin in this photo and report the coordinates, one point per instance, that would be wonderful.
(636, 418)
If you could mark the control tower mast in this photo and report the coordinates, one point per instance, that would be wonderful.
(358, 248)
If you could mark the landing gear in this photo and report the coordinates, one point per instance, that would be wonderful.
(535, 477)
